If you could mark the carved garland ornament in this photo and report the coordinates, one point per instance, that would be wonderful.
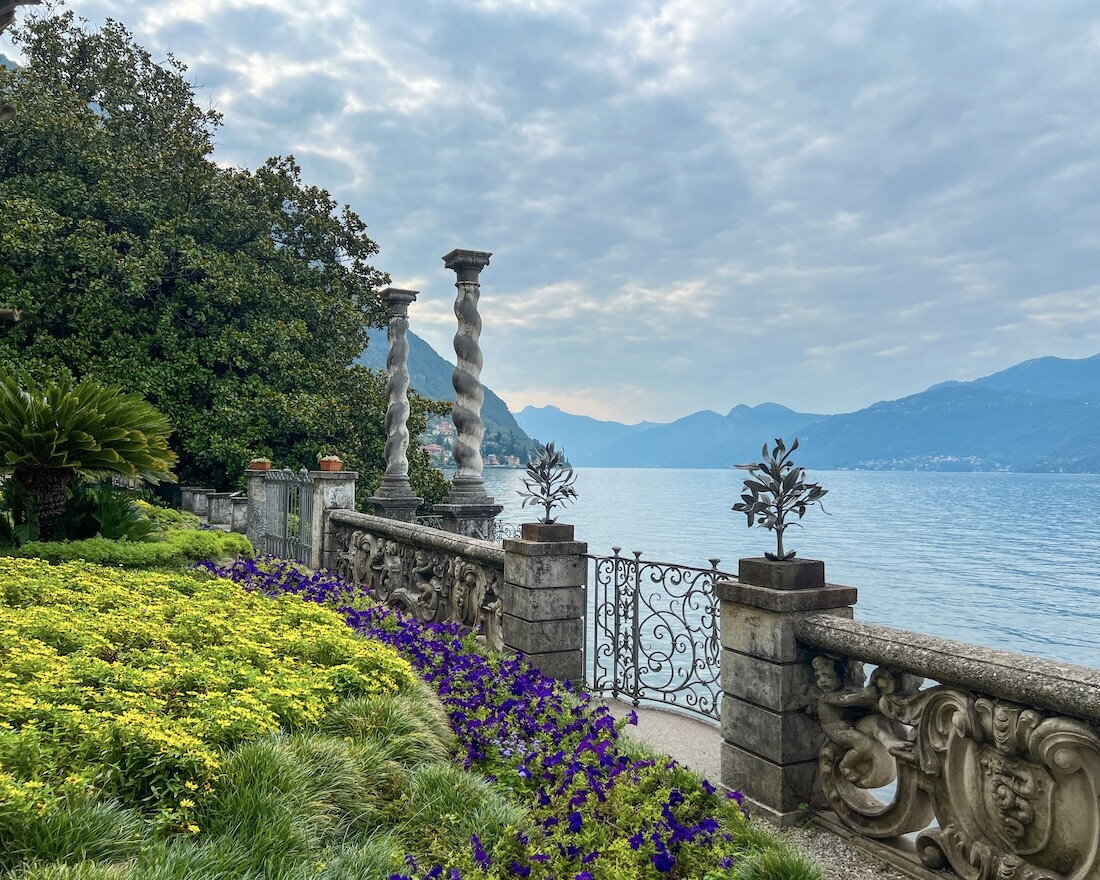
(1016, 792)
(431, 585)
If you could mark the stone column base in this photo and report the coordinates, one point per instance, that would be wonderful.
(469, 520)
(399, 508)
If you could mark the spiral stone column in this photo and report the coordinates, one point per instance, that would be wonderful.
(467, 510)
(395, 498)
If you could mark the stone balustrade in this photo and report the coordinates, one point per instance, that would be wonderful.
(435, 576)
(946, 756)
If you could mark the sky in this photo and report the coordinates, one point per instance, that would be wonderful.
(691, 204)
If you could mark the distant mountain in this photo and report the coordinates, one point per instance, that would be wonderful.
(578, 435)
(704, 439)
(430, 376)
(1038, 416)
(7, 62)
(1049, 376)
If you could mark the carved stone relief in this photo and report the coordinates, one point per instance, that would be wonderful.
(1015, 791)
(432, 585)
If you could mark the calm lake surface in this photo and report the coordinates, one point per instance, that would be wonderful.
(1004, 560)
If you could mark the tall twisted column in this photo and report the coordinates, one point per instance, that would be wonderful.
(395, 498)
(467, 509)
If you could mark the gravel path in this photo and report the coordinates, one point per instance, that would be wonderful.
(697, 745)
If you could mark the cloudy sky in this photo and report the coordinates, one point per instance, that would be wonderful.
(690, 203)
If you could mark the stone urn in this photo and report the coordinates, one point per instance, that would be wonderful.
(330, 463)
(545, 533)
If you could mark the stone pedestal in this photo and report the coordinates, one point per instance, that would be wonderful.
(187, 498)
(770, 744)
(332, 490)
(395, 500)
(220, 510)
(543, 600)
(200, 502)
(256, 517)
(467, 510)
(238, 515)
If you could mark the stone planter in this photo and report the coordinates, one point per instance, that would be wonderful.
(330, 464)
(791, 574)
(546, 532)
(260, 464)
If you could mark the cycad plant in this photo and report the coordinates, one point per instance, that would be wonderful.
(51, 432)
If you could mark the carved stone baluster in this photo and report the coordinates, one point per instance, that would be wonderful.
(395, 498)
(467, 510)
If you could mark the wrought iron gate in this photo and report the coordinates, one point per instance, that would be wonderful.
(653, 633)
(290, 511)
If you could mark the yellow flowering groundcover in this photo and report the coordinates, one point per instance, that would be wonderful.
(129, 684)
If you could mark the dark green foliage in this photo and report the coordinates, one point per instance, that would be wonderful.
(235, 300)
(775, 489)
(104, 510)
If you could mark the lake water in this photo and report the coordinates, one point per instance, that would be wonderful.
(1004, 560)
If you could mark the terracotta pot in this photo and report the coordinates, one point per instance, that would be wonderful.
(259, 464)
(331, 464)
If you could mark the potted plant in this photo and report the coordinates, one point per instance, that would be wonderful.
(776, 489)
(549, 484)
(329, 461)
(260, 464)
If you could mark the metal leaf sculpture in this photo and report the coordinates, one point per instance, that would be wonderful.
(549, 481)
(776, 489)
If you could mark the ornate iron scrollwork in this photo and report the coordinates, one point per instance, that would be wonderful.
(1015, 791)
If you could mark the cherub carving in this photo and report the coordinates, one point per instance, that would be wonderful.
(848, 711)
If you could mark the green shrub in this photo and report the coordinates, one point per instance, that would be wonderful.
(169, 518)
(102, 551)
(197, 545)
(179, 548)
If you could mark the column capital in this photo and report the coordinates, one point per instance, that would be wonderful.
(398, 300)
(468, 264)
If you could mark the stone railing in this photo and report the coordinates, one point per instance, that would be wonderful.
(947, 755)
(434, 575)
(1003, 753)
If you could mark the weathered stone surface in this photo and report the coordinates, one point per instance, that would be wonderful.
(829, 596)
(562, 665)
(545, 570)
(791, 574)
(781, 737)
(413, 533)
(200, 501)
(780, 687)
(256, 528)
(187, 498)
(540, 637)
(332, 490)
(782, 788)
(1046, 684)
(769, 635)
(238, 517)
(543, 603)
(220, 508)
(548, 532)
(468, 519)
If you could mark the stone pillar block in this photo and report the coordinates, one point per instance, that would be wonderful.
(256, 518)
(238, 515)
(770, 744)
(332, 490)
(187, 498)
(543, 599)
(220, 510)
(200, 502)
(471, 520)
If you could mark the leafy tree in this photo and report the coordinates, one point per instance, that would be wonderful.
(51, 434)
(236, 301)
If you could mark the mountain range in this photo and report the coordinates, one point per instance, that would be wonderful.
(1041, 415)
